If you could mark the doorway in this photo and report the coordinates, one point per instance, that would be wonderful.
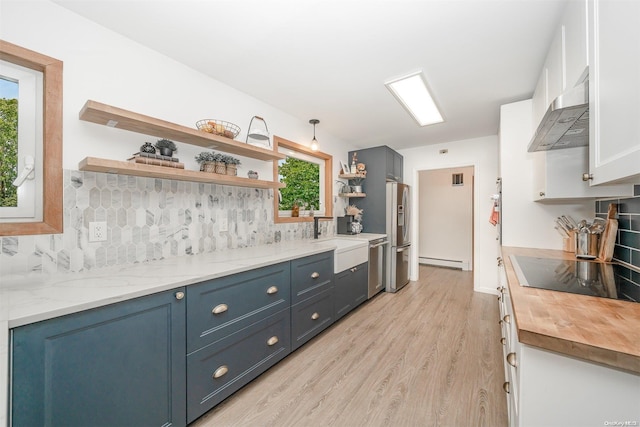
(445, 222)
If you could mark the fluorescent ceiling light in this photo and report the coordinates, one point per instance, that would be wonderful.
(412, 92)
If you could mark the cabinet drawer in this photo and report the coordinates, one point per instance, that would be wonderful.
(311, 317)
(219, 307)
(311, 275)
(218, 370)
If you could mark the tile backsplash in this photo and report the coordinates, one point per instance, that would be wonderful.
(148, 219)
(627, 247)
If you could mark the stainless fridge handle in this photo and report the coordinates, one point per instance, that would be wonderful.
(378, 245)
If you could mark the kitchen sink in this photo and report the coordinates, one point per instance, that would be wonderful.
(348, 252)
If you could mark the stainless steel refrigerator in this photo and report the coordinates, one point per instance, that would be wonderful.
(399, 235)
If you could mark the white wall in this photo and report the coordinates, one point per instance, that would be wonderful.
(525, 222)
(445, 223)
(482, 154)
(103, 66)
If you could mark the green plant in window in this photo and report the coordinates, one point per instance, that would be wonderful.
(8, 151)
(301, 179)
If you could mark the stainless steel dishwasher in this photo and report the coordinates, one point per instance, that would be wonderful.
(377, 263)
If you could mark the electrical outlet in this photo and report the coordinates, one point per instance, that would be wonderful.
(97, 231)
(224, 223)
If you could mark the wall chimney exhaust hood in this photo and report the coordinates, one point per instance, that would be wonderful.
(566, 123)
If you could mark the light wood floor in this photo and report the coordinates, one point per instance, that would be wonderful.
(428, 355)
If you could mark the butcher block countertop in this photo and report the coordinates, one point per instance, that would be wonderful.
(600, 330)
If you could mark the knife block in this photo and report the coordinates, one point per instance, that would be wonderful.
(569, 243)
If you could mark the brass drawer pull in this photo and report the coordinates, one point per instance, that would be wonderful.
(315, 316)
(179, 295)
(315, 275)
(505, 387)
(272, 290)
(222, 370)
(511, 360)
(503, 341)
(220, 308)
(507, 318)
(272, 341)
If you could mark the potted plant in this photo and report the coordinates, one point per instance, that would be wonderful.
(220, 165)
(252, 174)
(206, 161)
(166, 147)
(232, 165)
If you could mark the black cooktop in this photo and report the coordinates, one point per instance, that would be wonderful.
(578, 277)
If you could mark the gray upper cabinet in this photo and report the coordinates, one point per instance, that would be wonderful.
(118, 365)
(383, 164)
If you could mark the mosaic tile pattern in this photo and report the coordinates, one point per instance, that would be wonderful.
(148, 219)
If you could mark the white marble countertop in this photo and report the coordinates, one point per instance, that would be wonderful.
(360, 236)
(29, 299)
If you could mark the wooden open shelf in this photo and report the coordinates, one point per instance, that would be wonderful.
(352, 195)
(149, 171)
(352, 176)
(107, 115)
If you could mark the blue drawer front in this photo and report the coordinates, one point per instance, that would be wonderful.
(311, 317)
(244, 355)
(311, 275)
(241, 299)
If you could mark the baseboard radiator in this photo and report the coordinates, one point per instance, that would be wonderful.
(462, 265)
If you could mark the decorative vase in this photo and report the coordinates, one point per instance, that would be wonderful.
(148, 147)
(221, 168)
(252, 175)
(166, 151)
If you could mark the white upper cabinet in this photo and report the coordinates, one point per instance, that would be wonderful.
(557, 177)
(614, 91)
(576, 47)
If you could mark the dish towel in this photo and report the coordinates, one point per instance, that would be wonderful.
(495, 214)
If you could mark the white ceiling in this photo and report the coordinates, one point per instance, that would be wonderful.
(329, 59)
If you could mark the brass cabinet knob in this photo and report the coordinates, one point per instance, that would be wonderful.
(221, 371)
(220, 308)
(587, 176)
(506, 387)
(179, 295)
(503, 341)
(272, 290)
(272, 341)
(511, 360)
(507, 318)
(315, 316)
(315, 275)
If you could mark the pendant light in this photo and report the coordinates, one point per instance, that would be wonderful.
(314, 141)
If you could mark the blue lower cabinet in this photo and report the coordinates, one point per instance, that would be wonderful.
(118, 365)
(216, 371)
(311, 316)
(351, 289)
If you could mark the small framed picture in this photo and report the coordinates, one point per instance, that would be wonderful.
(345, 167)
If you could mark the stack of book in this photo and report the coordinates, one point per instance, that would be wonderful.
(156, 160)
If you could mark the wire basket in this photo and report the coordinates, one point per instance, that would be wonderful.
(219, 127)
